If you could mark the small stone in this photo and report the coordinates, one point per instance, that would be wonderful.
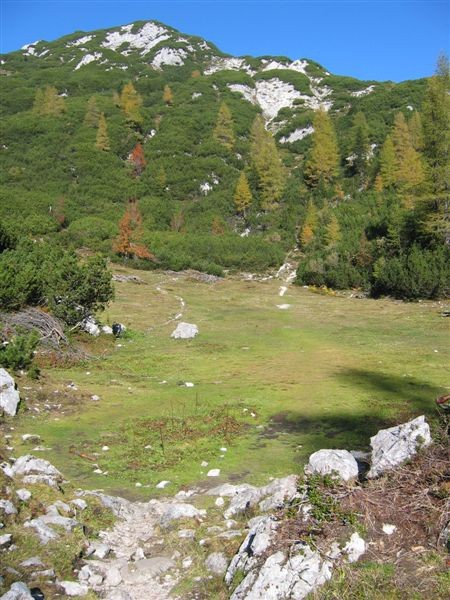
(388, 529)
(162, 484)
(31, 437)
(113, 577)
(79, 503)
(105, 448)
(9, 395)
(95, 579)
(223, 449)
(213, 473)
(188, 384)
(217, 563)
(5, 540)
(355, 547)
(204, 463)
(138, 554)
(138, 484)
(98, 471)
(187, 562)
(185, 331)
(186, 534)
(219, 501)
(7, 507)
(34, 561)
(23, 494)
(95, 398)
(17, 591)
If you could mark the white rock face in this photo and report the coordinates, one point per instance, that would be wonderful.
(327, 462)
(393, 446)
(80, 41)
(145, 39)
(281, 577)
(296, 135)
(354, 548)
(261, 533)
(219, 63)
(169, 56)
(88, 58)
(273, 94)
(9, 395)
(298, 65)
(18, 591)
(364, 92)
(185, 331)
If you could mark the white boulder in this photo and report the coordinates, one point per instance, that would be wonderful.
(333, 462)
(216, 563)
(392, 447)
(34, 470)
(18, 591)
(89, 325)
(185, 331)
(355, 547)
(72, 588)
(9, 395)
(177, 511)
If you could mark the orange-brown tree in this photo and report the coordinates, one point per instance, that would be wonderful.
(130, 232)
(137, 159)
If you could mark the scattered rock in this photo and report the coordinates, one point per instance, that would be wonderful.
(42, 526)
(23, 494)
(7, 507)
(89, 325)
(281, 577)
(219, 501)
(217, 563)
(283, 306)
(213, 473)
(388, 529)
(79, 503)
(9, 395)
(333, 462)
(34, 470)
(162, 484)
(355, 547)
(34, 561)
(18, 591)
(5, 540)
(143, 570)
(31, 437)
(107, 330)
(255, 544)
(72, 588)
(393, 446)
(185, 331)
(176, 511)
(187, 534)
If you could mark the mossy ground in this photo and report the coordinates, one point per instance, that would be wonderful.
(327, 372)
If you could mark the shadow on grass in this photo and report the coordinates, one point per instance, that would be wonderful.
(394, 399)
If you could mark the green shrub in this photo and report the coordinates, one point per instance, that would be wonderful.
(18, 352)
(416, 274)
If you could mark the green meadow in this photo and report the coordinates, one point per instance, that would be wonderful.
(270, 385)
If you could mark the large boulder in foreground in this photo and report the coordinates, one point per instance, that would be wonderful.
(185, 331)
(392, 447)
(333, 462)
(9, 395)
(18, 591)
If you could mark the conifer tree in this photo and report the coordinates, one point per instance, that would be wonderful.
(168, 95)
(127, 244)
(408, 165)
(131, 103)
(223, 131)
(322, 165)
(161, 178)
(102, 139)
(242, 195)
(309, 225)
(387, 164)
(436, 143)
(416, 131)
(361, 147)
(137, 159)
(333, 232)
(48, 103)
(267, 164)
(92, 113)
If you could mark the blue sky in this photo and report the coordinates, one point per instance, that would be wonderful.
(372, 39)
